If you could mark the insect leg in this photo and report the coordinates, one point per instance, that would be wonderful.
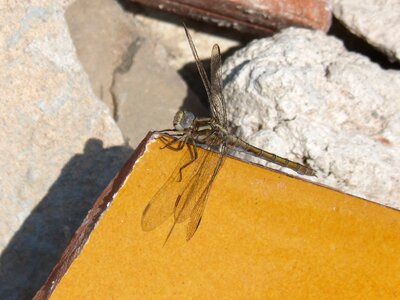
(193, 154)
(168, 144)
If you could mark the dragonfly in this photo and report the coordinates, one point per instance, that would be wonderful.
(190, 131)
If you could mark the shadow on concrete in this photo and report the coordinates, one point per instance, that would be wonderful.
(356, 44)
(36, 247)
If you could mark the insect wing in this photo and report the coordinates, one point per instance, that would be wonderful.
(217, 100)
(198, 183)
(162, 204)
(197, 212)
(199, 64)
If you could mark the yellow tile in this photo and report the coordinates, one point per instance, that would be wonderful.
(263, 235)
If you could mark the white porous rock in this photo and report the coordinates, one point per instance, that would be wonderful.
(302, 95)
(378, 22)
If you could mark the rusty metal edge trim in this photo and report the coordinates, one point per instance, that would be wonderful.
(82, 234)
(241, 24)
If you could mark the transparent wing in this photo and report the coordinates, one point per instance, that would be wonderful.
(194, 191)
(214, 90)
(217, 99)
(198, 209)
(190, 194)
(162, 205)
(199, 64)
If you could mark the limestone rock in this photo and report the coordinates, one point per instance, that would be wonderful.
(375, 21)
(302, 95)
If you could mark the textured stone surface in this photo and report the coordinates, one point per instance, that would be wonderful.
(100, 45)
(301, 95)
(59, 144)
(168, 30)
(133, 61)
(148, 92)
(376, 21)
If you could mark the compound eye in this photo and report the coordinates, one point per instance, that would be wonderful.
(187, 119)
(183, 120)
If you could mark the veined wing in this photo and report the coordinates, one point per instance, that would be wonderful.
(199, 64)
(191, 194)
(198, 209)
(162, 205)
(192, 201)
(217, 99)
(214, 90)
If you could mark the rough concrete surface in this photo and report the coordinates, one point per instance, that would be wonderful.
(100, 40)
(376, 21)
(301, 95)
(149, 92)
(171, 35)
(131, 54)
(59, 145)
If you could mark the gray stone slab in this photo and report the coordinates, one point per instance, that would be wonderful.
(59, 144)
